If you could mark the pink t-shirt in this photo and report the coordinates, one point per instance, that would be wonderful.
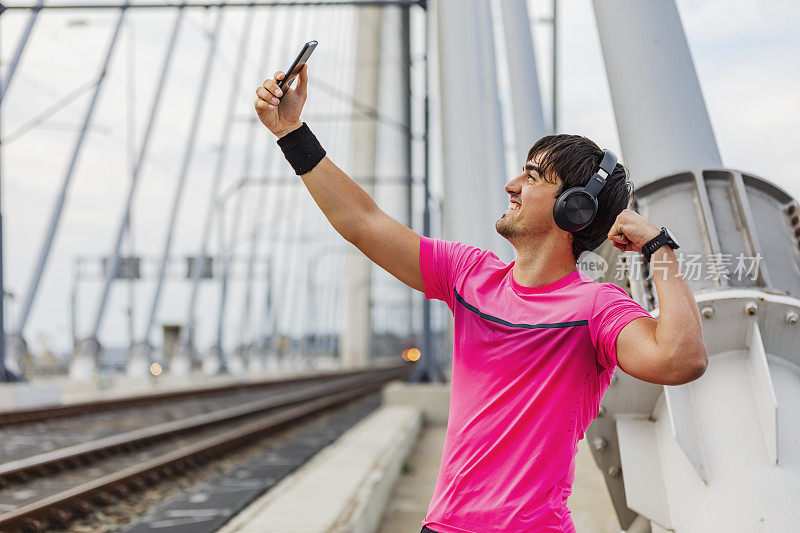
(530, 365)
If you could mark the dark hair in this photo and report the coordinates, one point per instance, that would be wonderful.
(574, 159)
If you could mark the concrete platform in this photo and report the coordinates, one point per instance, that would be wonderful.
(344, 488)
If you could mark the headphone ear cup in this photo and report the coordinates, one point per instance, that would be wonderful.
(574, 209)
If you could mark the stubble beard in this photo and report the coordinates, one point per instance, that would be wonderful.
(506, 227)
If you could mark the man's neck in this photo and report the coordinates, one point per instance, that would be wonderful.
(543, 264)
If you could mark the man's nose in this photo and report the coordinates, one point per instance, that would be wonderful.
(512, 186)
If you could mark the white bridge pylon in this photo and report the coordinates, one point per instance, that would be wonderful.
(721, 453)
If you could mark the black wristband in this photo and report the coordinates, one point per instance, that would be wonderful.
(301, 149)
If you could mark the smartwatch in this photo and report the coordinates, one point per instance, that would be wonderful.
(665, 237)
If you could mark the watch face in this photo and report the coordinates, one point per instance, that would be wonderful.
(672, 237)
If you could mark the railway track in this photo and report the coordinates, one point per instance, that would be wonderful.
(25, 416)
(57, 428)
(48, 489)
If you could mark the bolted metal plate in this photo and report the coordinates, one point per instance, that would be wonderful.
(728, 329)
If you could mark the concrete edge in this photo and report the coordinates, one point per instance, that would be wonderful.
(368, 506)
(433, 399)
(360, 503)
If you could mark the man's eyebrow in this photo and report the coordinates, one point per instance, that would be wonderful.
(530, 166)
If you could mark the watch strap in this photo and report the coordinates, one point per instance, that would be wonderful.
(655, 243)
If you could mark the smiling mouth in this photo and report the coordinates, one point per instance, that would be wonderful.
(513, 207)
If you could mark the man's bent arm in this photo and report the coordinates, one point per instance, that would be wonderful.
(670, 350)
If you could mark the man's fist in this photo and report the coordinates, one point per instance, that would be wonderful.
(631, 231)
(280, 110)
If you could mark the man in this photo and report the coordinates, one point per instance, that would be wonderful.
(536, 341)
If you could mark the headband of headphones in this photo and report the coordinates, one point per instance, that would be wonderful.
(607, 166)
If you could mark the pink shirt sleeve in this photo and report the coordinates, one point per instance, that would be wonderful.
(442, 263)
(612, 310)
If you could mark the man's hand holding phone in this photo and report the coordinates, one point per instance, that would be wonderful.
(279, 110)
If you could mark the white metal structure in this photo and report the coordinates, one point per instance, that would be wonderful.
(661, 116)
(720, 453)
(472, 133)
(528, 116)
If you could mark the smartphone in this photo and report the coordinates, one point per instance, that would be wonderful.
(302, 57)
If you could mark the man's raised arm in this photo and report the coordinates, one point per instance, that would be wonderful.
(348, 207)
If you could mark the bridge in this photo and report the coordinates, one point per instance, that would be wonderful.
(190, 346)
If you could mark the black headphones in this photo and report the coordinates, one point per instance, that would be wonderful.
(575, 208)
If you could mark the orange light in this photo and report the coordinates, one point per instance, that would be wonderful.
(156, 369)
(413, 354)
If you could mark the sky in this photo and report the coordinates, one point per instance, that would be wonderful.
(745, 53)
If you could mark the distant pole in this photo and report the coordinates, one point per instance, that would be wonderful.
(408, 141)
(73, 300)
(555, 67)
(5, 375)
(255, 240)
(131, 117)
(429, 365)
(233, 363)
(3, 372)
(429, 369)
(266, 331)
